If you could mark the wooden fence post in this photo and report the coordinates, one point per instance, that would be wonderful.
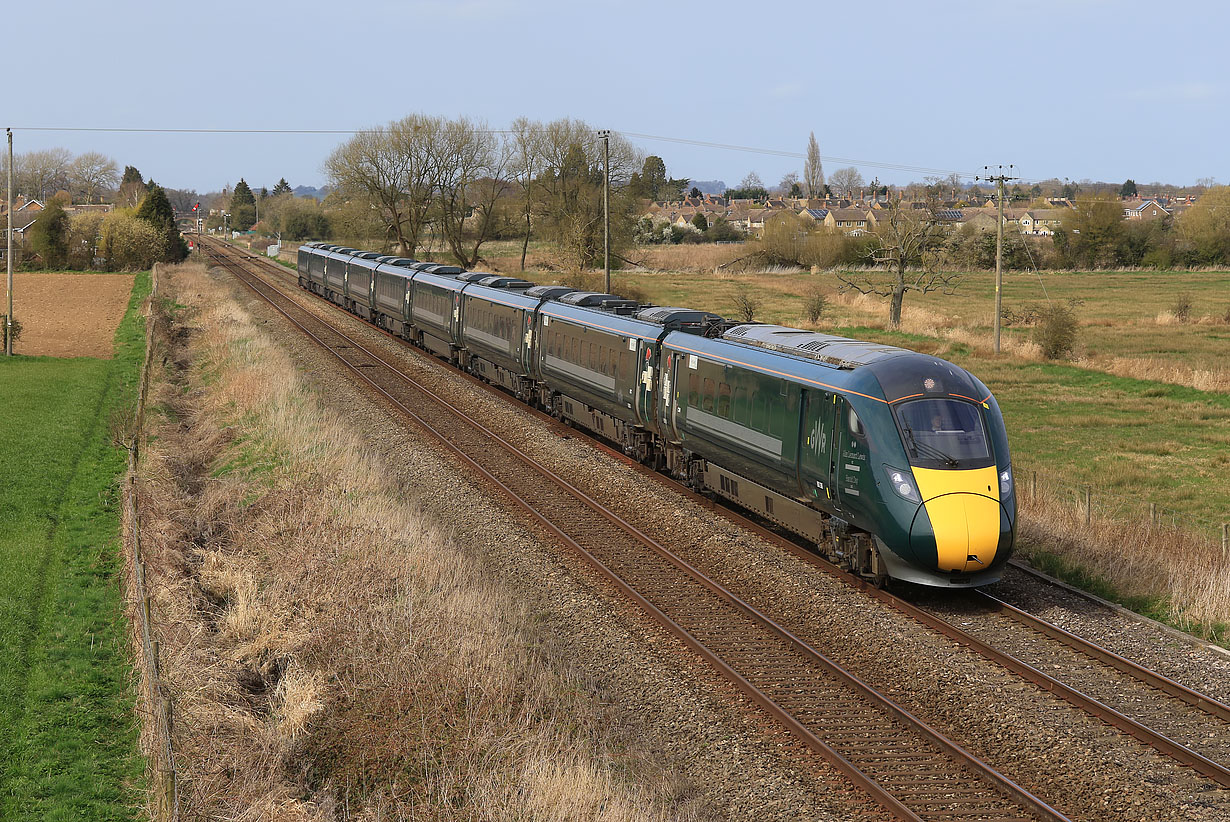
(1088, 505)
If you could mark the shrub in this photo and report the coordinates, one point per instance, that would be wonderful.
(1055, 331)
(746, 304)
(1182, 309)
(129, 244)
(4, 331)
(814, 304)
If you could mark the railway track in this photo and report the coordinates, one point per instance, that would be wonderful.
(1191, 728)
(913, 771)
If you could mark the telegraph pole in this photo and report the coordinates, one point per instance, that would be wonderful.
(8, 256)
(605, 136)
(999, 180)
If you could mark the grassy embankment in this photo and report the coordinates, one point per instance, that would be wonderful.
(1142, 416)
(329, 645)
(68, 734)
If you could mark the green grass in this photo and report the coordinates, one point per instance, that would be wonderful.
(68, 730)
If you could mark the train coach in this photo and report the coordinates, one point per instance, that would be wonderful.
(894, 464)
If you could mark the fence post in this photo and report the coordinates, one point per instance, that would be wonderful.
(1088, 505)
(1033, 486)
(1225, 540)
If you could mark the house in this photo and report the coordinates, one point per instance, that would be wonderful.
(848, 219)
(1042, 221)
(1145, 210)
(816, 215)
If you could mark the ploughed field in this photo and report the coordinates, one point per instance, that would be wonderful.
(67, 314)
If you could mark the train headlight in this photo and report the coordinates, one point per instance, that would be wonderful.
(1005, 481)
(902, 483)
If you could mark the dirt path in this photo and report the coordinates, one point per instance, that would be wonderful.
(67, 315)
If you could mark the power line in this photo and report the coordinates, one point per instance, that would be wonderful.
(780, 153)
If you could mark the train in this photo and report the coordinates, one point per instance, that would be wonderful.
(892, 464)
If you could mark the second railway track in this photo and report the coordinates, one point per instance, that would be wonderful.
(880, 746)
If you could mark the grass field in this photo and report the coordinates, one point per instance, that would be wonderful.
(68, 732)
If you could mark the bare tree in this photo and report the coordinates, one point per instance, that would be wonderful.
(394, 169)
(471, 162)
(91, 174)
(752, 180)
(40, 174)
(570, 188)
(788, 182)
(908, 243)
(846, 180)
(526, 164)
(813, 169)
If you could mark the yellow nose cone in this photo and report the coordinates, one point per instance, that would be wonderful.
(964, 510)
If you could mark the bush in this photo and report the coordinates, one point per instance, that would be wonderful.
(746, 304)
(83, 234)
(4, 331)
(129, 244)
(1182, 309)
(1055, 331)
(814, 304)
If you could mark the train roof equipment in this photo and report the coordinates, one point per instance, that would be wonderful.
(504, 282)
(679, 319)
(839, 352)
(549, 292)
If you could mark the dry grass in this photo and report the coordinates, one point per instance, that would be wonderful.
(332, 653)
(699, 258)
(1179, 576)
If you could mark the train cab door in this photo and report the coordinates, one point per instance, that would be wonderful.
(818, 446)
(668, 403)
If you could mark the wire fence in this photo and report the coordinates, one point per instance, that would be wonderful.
(165, 793)
(1100, 503)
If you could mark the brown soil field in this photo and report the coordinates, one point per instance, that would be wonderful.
(67, 315)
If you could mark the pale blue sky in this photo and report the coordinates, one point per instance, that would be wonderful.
(1100, 89)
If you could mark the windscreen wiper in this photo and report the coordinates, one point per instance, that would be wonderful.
(928, 450)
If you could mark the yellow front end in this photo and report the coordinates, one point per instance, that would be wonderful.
(964, 509)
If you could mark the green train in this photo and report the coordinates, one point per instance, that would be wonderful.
(894, 464)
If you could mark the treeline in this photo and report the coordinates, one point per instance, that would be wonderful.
(1093, 235)
(123, 239)
(466, 184)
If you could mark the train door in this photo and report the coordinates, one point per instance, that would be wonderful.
(647, 379)
(852, 476)
(818, 445)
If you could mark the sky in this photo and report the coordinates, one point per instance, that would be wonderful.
(1079, 89)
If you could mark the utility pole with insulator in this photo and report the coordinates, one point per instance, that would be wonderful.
(8, 256)
(605, 136)
(999, 180)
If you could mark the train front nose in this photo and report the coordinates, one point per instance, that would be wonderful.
(964, 519)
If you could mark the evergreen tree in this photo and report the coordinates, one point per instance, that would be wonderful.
(281, 188)
(1128, 189)
(131, 175)
(243, 207)
(156, 210)
(49, 235)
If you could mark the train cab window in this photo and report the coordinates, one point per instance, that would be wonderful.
(723, 400)
(853, 424)
(943, 433)
(739, 407)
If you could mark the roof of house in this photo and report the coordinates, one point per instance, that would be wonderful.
(816, 213)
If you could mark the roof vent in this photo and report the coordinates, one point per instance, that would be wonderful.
(549, 292)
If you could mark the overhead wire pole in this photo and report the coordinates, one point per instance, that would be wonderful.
(8, 256)
(605, 136)
(999, 180)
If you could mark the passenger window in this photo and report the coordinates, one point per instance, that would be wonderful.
(693, 390)
(723, 400)
(707, 399)
(757, 411)
(740, 406)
